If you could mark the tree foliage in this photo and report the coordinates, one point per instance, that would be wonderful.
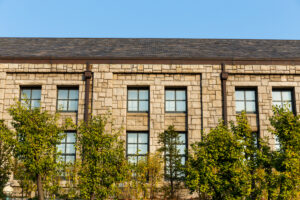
(5, 155)
(103, 158)
(170, 141)
(35, 138)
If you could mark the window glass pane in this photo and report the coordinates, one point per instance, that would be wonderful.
(170, 95)
(142, 158)
(180, 106)
(183, 160)
(276, 96)
(132, 159)
(250, 95)
(73, 105)
(277, 143)
(278, 104)
(61, 148)
(62, 105)
(239, 95)
(132, 94)
(62, 94)
(180, 95)
(71, 137)
(131, 138)
(132, 148)
(289, 105)
(286, 95)
(35, 103)
(143, 106)
(73, 94)
(26, 94)
(250, 106)
(36, 94)
(70, 149)
(70, 159)
(182, 138)
(240, 106)
(170, 106)
(143, 138)
(132, 106)
(143, 149)
(143, 95)
(25, 103)
(61, 158)
(181, 149)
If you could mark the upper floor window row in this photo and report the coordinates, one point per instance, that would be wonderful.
(138, 100)
(67, 98)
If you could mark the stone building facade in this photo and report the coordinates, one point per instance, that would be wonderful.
(206, 81)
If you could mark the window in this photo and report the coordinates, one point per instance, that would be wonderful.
(67, 147)
(282, 97)
(276, 143)
(175, 100)
(137, 146)
(138, 100)
(31, 97)
(245, 100)
(67, 99)
(182, 151)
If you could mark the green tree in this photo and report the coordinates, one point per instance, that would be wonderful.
(286, 161)
(5, 155)
(170, 141)
(35, 138)
(217, 167)
(104, 164)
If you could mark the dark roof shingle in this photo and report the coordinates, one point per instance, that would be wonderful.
(126, 48)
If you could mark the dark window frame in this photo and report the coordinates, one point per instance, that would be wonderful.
(175, 100)
(244, 89)
(148, 144)
(29, 87)
(68, 99)
(138, 99)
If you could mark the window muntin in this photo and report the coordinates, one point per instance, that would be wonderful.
(245, 99)
(182, 151)
(137, 146)
(282, 97)
(138, 100)
(67, 147)
(31, 97)
(67, 99)
(175, 100)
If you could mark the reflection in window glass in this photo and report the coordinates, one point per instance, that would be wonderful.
(245, 101)
(137, 146)
(67, 99)
(175, 100)
(31, 97)
(282, 98)
(138, 100)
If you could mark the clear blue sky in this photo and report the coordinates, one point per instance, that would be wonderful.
(265, 19)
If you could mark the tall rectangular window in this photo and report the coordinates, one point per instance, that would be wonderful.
(175, 100)
(182, 151)
(138, 100)
(31, 97)
(67, 99)
(137, 146)
(67, 147)
(245, 100)
(282, 97)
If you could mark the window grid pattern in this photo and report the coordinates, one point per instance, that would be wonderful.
(175, 100)
(67, 99)
(282, 98)
(245, 100)
(67, 147)
(31, 97)
(182, 151)
(137, 146)
(138, 100)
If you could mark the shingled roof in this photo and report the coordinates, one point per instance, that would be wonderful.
(116, 48)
